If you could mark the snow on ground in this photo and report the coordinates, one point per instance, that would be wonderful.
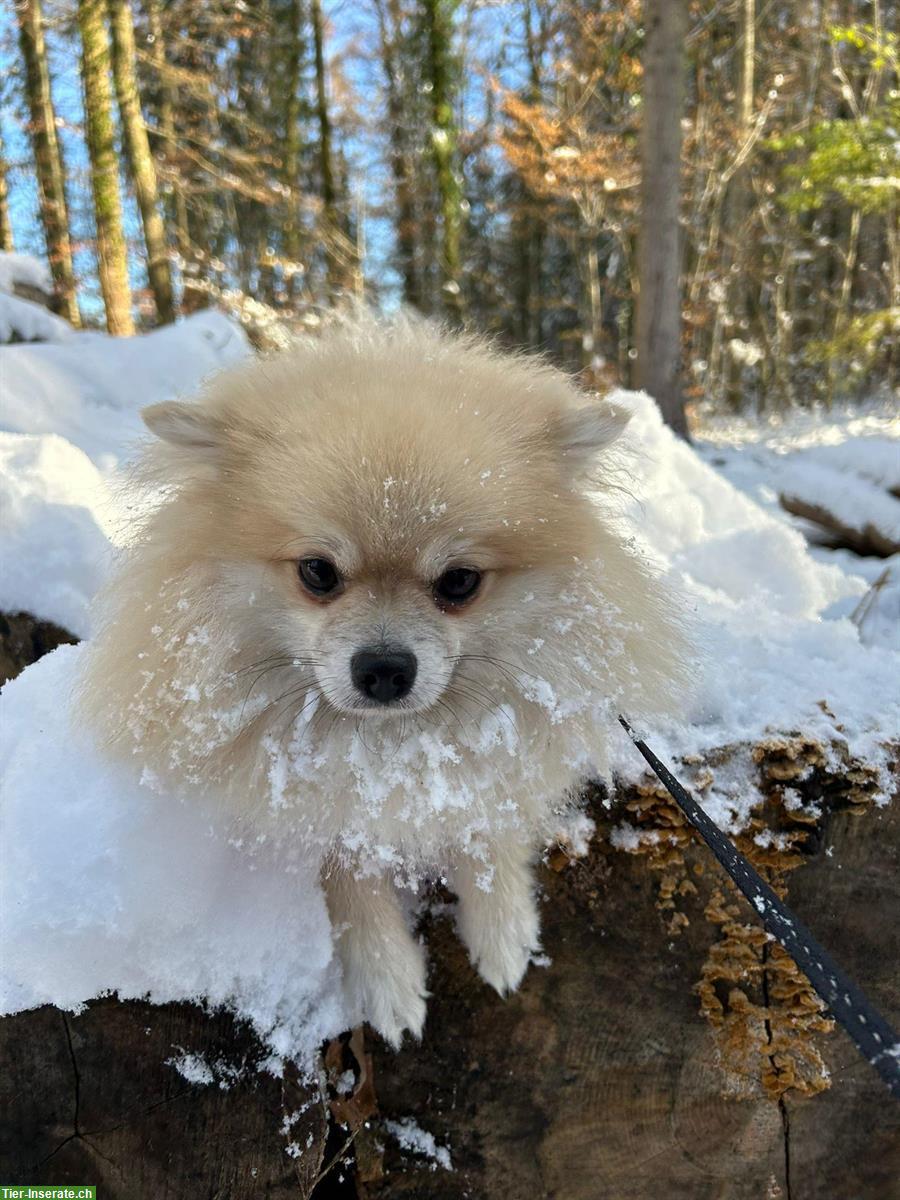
(24, 321)
(109, 886)
(24, 269)
(838, 451)
(68, 417)
(54, 543)
(846, 461)
(772, 661)
(91, 388)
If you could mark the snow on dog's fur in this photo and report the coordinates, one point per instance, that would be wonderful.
(376, 615)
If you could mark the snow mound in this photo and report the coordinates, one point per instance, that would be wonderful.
(24, 269)
(54, 539)
(770, 660)
(68, 417)
(109, 887)
(842, 468)
(24, 321)
(736, 556)
(91, 388)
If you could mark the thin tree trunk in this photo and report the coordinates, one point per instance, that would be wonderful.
(7, 243)
(140, 160)
(739, 197)
(591, 326)
(745, 96)
(199, 113)
(893, 258)
(166, 121)
(659, 243)
(250, 111)
(444, 137)
(333, 240)
(842, 311)
(292, 143)
(47, 156)
(98, 123)
(399, 153)
(530, 220)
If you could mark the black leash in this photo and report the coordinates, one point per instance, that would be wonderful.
(874, 1038)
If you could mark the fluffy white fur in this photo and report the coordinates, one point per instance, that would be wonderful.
(396, 452)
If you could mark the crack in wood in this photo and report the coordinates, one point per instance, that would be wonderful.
(782, 1106)
(75, 1115)
(786, 1127)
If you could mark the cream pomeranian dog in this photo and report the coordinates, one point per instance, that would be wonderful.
(378, 616)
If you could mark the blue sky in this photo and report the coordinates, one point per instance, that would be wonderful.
(351, 34)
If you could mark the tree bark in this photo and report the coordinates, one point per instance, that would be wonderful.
(591, 322)
(99, 131)
(140, 160)
(7, 242)
(291, 146)
(165, 114)
(334, 241)
(739, 201)
(528, 222)
(599, 1078)
(438, 16)
(47, 155)
(390, 32)
(658, 366)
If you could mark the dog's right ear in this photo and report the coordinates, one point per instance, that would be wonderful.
(185, 425)
(583, 433)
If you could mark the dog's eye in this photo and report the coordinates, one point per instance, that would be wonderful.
(318, 576)
(457, 586)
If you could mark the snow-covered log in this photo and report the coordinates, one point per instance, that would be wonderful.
(660, 1042)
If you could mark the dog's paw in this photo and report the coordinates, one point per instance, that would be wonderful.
(501, 944)
(387, 989)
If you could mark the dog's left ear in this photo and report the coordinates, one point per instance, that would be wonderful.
(185, 425)
(584, 432)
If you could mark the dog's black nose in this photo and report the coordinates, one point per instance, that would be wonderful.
(383, 674)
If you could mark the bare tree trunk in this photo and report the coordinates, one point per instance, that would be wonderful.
(591, 322)
(333, 239)
(98, 123)
(140, 160)
(7, 242)
(444, 137)
(739, 195)
(166, 122)
(529, 221)
(291, 147)
(401, 168)
(842, 311)
(745, 98)
(893, 258)
(659, 243)
(47, 156)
